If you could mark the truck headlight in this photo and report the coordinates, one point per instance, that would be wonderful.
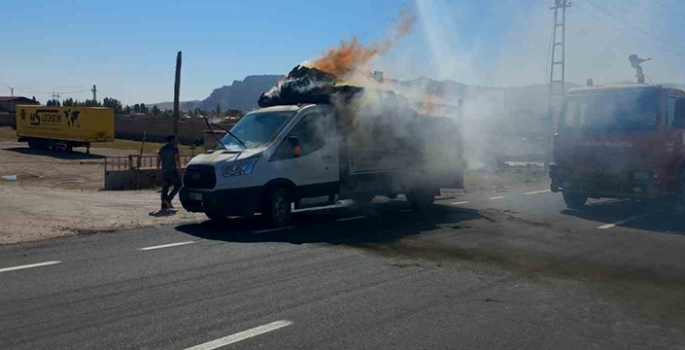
(239, 167)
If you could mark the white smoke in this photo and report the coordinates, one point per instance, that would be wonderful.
(598, 44)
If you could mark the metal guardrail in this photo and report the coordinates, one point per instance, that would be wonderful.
(134, 161)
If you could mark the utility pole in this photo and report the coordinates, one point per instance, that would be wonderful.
(177, 92)
(95, 93)
(11, 90)
(557, 73)
(55, 96)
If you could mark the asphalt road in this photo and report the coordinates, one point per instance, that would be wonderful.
(513, 270)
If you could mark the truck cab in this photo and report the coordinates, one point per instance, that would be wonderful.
(623, 141)
(306, 155)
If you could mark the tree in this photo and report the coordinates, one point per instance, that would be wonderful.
(136, 108)
(34, 98)
(127, 110)
(234, 113)
(91, 103)
(113, 103)
(143, 109)
(218, 110)
(155, 110)
(53, 103)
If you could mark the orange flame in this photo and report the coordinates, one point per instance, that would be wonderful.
(350, 55)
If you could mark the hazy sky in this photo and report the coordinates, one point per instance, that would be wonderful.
(128, 48)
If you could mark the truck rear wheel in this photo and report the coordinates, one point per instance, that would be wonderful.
(575, 200)
(421, 198)
(276, 208)
(363, 198)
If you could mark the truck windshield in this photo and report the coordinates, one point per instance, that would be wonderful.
(257, 129)
(621, 111)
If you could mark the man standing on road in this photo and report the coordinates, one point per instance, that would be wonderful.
(170, 173)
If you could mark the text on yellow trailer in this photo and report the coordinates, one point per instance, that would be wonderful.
(67, 127)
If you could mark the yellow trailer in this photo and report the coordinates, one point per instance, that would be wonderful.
(45, 127)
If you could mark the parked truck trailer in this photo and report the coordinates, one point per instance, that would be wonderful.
(63, 128)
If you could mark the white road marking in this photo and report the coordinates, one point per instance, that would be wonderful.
(537, 192)
(333, 206)
(605, 202)
(621, 222)
(29, 266)
(406, 210)
(273, 229)
(500, 197)
(352, 218)
(459, 203)
(231, 339)
(168, 245)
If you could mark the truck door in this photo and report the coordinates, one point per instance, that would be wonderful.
(675, 109)
(674, 138)
(315, 169)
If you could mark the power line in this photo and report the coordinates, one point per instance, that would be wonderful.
(612, 15)
(656, 30)
(618, 28)
(50, 93)
(50, 86)
(670, 8)
(665, 48)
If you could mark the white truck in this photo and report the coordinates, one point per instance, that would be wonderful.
(314, 155)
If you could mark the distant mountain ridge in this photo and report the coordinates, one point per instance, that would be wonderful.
(242, 95)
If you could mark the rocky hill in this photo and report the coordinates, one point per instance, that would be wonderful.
(514, 109)
(242, 95)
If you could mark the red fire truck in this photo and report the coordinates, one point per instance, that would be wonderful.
(624, 141)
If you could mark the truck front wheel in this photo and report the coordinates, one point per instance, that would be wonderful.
(363, 198)
(421, 198)
(575, 200)
(215, 216)
(276, 208)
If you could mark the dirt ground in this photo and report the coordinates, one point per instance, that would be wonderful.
(32, 213)
(50, 169)
(58, 194)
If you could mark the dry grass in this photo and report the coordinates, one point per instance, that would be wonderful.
(7, 133)
(150, 147)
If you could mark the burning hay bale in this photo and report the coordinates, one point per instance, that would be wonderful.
(305, 85)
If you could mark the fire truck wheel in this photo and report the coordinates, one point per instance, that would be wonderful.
(575, 200)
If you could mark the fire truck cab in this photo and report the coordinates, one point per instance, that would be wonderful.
(625, 141)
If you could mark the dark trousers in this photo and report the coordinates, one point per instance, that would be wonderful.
(169, 179)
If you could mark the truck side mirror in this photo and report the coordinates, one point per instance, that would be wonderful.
(295, 143)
